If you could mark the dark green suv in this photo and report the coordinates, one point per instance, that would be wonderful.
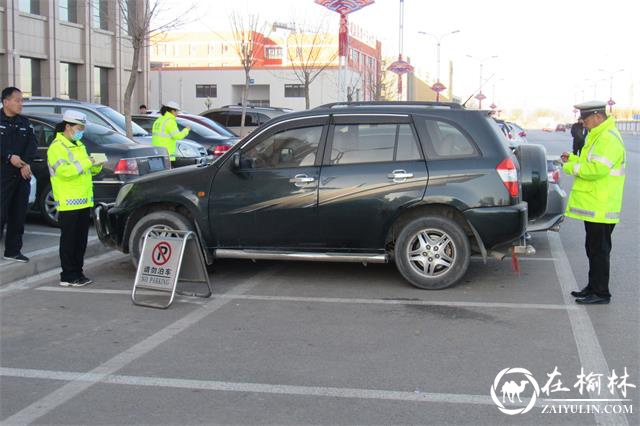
(423, 185)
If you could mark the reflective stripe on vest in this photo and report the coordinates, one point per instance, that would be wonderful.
(71, 158)
(582, 212)
(576, 168)
(76, 201)
(618, 172)
(52, 169)
(603, 160)
(612, 215)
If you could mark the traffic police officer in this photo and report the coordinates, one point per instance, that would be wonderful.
(165, 130)
(19, 148)
(71, 170)
(596, 196)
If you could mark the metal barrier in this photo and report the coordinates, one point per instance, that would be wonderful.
(629, 126)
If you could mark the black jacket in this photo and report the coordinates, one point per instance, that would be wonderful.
(579, 134)
(16, 138)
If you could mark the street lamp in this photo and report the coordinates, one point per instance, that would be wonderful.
(438, 87)
(611, 74)
(480, 96)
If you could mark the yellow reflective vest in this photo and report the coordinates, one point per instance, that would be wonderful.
(599, 174)
(165, 133)
(71, 174)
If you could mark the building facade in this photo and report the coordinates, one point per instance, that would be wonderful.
(71, 49)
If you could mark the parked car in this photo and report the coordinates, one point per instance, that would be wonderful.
(423, 185)
(230, 116)
(517, 133)
(189, 152)
(510, 133)
(126, 160)
(214, 143)
(561, 128)
(215, 126)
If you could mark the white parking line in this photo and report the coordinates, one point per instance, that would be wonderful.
(213, 385)
(589, 350)
(334, 299)
(89, 290)
(63, 394)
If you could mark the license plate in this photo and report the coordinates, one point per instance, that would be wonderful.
(156, 164)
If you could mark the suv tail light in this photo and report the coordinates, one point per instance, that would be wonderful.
(127, 166)
(553, 176)
(218, 150)
(509, 175)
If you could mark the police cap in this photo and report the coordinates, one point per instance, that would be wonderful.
(591, 107)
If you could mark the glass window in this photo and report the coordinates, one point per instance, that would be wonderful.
(30, 6)
(119, 121)
(289, 148)
(30, 81)
(68, 81)
(100, 14)
(206, 91)
(101, 85)
(145, 122)
(294, 90)
(363, 143)
(68, 10)
(273, 52)
(196, 128)
(217, 127)
(447, 141)
(218, 117)
(234, 118)
(43, 132)
(127, 16)
(102, 136)
(29, 108)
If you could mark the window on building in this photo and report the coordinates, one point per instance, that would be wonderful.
(30, 6)
(30, 77)
(68, 81)
(101, 85)
(100, 14)
(373, 143)
(294, 90)
(68, 10)
(128, 16)
(206, 91)
(273, 52)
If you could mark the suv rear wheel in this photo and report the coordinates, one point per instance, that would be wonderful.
(432, 253)
(168, 220)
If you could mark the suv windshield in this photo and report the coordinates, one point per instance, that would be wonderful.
(118, 119)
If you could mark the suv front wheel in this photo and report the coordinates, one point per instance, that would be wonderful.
(167, 220)
(432, 253)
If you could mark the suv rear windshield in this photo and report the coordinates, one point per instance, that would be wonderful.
(118, 118)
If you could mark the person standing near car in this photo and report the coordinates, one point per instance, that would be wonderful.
(579, 134)
(19, 148)
(71, 170)
(165, 130)
(596, 196)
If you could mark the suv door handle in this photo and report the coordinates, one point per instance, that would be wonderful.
(301, 180)
(399, 176)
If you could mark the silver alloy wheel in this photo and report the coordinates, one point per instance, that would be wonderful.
(50, 207)
(431, 252)
(158, 233)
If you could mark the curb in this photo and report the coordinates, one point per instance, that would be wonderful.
(45, 260)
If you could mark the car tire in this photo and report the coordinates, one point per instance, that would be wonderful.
(166, 219)
(425, 246)
(47, 207)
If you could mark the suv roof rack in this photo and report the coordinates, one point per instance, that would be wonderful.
(443, 105)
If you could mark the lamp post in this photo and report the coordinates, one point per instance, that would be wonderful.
(611, 74)
(438, 87)
(480, 96)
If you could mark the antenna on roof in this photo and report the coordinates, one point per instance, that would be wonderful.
(478, 89)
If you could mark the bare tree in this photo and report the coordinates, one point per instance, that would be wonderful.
(308, 56)
(249, 33)
(143, 20)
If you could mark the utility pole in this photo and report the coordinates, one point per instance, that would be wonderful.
(438, 87)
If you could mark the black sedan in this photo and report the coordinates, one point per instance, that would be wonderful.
(126, 160)
(215, 143)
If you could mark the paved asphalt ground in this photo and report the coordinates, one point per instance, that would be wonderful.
(307, 343)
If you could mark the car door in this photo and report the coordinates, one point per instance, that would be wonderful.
(373, 167)
(44, 134)
(265, 195)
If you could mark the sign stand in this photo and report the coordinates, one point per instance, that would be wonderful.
(169, 256)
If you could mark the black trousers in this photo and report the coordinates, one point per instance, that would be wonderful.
(74, 227)
(13, 206)
(598, 247)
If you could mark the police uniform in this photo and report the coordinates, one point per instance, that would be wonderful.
(71, 172)
(165, 131)
(596, 197)
(16, 138)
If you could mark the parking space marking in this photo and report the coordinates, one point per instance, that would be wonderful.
(213, 385)
(80, 384)
(178, 298)
(521, 258)
(336, 300)
(589, 350)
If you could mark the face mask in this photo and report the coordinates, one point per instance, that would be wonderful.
(78, 135)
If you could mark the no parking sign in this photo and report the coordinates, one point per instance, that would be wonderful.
(169, 256)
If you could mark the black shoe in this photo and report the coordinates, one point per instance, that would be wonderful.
(592, 299)
(78, 282)
(17, 257)
(582, 293)
(86, 280)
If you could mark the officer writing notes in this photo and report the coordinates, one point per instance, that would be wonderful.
(596, 196)
(71, 170)
(165, 130)
(19, 148)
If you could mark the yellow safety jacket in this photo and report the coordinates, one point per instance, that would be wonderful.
(70, 169)
(165, 133)
(599, 173)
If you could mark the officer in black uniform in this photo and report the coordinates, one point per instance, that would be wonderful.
(19, 148)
